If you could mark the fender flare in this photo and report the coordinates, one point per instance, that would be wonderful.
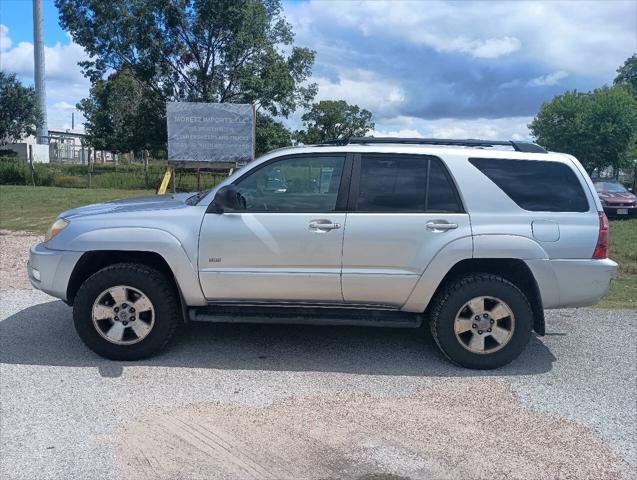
(433, 274)
(152, 240)
(483, 246)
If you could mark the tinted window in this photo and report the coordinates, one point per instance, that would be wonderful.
(535, 185)
(301, 184)
(441, 195)
(394, 183)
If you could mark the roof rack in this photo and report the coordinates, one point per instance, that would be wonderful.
(527, 147)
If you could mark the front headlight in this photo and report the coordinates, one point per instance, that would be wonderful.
(59, 225)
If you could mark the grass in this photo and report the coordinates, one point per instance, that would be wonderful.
(33, 209)
(122, 176)
(623, 249)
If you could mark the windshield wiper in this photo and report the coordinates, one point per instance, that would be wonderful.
(194, 200)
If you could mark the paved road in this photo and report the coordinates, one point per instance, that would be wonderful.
(238, 401)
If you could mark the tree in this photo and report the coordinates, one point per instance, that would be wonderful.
(19, 112)
(627, 75)
(122, 115)
(599, 128)
(196, 50)
(270, 134)
(334, 119)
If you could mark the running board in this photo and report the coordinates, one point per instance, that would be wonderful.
(306, 316)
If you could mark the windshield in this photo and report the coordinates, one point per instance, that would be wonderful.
(610, 187)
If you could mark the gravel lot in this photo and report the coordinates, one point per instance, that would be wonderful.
(282, 402)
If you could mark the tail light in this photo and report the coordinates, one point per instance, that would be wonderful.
(601, 249)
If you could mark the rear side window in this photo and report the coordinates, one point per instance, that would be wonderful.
(537, 186)
(393, 183)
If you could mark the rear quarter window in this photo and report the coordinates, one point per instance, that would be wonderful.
(538, 186)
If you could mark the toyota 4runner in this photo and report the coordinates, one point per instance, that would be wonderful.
(477, 238)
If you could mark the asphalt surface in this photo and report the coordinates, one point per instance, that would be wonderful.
(241, 401)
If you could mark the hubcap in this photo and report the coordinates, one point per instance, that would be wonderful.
(123, 315)
(484, 324)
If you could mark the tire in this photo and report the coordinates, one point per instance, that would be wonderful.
(492, 341)
(137, 334)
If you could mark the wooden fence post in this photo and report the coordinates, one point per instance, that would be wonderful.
(31, 164)
(90, 179)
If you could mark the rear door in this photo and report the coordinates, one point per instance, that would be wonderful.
(402, 210)
(285, 244)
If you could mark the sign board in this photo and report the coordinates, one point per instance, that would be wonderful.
(210, 132)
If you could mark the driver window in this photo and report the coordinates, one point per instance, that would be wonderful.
(296, 185)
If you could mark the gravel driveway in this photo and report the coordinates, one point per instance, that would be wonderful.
(298, 402)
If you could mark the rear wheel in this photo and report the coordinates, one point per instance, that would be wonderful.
(481, 321)
(126, 311)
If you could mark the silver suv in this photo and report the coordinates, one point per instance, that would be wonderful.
(477, 238)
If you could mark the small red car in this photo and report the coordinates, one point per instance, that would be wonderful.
(616, 199)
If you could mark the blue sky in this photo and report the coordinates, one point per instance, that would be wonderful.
(446, 69)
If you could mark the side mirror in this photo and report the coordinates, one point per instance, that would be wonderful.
(226, 198)
(631, 190)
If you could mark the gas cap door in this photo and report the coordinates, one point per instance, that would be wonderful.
(545, 230)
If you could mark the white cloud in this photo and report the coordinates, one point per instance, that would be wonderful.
(548, 80)
(402, 133)
(478, 48)
(5, 40)
(363, 88)
(509, 128)
(65, 84)
(495, 47)
(590, 38)
(61, 61)
(63, 106)
(513, 128)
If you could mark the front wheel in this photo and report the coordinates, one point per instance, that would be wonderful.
(126, 311)
(481, 321)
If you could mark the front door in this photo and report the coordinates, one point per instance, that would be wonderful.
(402, 210)
(285, 244)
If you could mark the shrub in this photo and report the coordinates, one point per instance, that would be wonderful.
(69, 181)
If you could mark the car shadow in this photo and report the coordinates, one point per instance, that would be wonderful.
(44, 335)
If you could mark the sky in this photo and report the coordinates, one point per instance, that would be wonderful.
(423, 68)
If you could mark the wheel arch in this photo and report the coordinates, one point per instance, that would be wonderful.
(93, 261)
(151, 246)
(513, 270)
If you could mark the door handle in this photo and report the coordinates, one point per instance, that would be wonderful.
(323, 225)
(440, 226)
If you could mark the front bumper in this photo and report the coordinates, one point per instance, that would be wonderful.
(50, 270)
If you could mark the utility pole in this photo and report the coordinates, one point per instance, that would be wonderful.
(42, 129)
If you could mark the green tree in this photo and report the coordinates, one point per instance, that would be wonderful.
(237, 51)
(627, 75)
(19, 112)
(332, 120)
(599, 128)
(627, 78)
(271, 134)
(122, 115)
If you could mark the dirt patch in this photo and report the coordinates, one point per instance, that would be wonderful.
(458, 428)
(14, 254)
